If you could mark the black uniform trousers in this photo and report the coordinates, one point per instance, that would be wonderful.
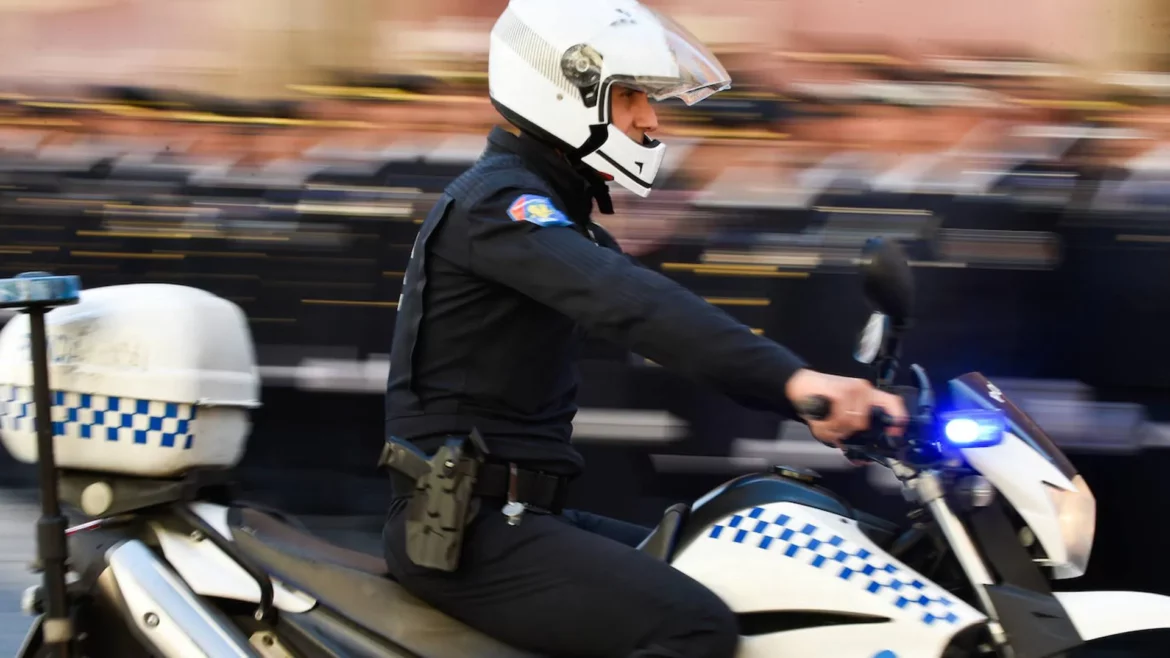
(565, 585)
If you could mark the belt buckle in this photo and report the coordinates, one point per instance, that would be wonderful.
(513, 509)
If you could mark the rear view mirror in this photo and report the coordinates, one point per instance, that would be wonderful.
(889, 285)
(872, 338)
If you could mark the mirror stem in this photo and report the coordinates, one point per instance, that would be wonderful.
(887, 363)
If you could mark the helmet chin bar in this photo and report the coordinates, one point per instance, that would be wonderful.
(607, 150)
(632, 165)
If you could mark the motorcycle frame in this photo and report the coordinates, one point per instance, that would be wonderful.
(929, 488)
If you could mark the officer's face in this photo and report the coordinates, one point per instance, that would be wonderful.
(632, 113)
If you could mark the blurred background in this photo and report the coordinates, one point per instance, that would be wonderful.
(281, 153)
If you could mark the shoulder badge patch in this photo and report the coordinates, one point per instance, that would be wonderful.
(537, 209)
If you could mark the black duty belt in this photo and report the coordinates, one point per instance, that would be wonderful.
(537, 490)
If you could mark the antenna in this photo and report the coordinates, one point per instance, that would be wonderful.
(35, 293)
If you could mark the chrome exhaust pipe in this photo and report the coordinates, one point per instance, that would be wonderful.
(166, 614)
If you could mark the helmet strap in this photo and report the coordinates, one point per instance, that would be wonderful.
(598, 186)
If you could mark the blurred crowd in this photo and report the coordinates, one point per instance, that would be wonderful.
(860, 122)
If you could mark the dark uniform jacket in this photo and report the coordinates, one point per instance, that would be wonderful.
(507, 274)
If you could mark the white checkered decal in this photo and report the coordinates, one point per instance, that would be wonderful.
(821, 549)
(104, 417)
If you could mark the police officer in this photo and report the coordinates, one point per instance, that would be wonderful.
(507, 272)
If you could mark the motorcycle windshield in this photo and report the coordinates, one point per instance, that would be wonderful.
(973, 390)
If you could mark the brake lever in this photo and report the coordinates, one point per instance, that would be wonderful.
(875, 436)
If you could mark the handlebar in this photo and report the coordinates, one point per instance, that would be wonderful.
(819, 407)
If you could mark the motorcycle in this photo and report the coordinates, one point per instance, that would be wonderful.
(151, 389)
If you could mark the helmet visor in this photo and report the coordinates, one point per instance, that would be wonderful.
(699, 72)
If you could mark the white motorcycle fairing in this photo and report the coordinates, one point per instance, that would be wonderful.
(1024, 477)
(788, 557)
(1101, 614)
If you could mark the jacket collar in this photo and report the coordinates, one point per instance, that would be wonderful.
(576, 184)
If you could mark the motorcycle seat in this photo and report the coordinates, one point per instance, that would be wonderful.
(290, 539)
(356, 586)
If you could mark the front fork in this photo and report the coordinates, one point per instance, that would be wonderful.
(928, 488)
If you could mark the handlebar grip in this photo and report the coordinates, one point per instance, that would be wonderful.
(814, 407)
(819, 407)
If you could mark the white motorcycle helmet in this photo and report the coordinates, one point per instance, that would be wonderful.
(552, 64)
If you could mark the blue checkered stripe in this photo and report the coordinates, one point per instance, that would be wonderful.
(102, 417)
(820, 548)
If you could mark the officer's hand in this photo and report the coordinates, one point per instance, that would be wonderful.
(851, 401)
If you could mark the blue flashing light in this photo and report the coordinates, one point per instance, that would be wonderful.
(963, 431)
(973, 428)
(39, 289)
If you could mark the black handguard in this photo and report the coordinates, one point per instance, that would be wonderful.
(442, 504)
